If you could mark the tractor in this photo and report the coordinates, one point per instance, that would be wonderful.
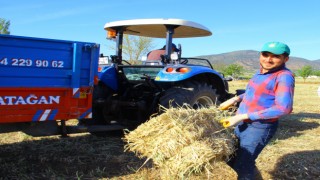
(128, 95)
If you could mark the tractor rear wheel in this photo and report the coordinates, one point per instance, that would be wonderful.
(193, 93)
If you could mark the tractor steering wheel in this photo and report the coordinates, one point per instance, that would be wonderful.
(183, 61)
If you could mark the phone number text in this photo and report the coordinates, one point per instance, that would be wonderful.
(30, 62)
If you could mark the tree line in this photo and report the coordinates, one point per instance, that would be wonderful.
(236, 71)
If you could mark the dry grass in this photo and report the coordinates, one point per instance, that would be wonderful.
(294, 152)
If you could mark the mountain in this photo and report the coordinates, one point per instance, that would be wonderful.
(249, 59)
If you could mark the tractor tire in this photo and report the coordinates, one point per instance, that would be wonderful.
(99, 106)
(100, 110)
(101, 93)
(194, 94)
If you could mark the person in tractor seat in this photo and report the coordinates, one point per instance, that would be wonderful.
(156, 54)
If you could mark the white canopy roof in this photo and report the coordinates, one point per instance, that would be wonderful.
(156, 28)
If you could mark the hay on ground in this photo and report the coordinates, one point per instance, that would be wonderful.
(183, 141)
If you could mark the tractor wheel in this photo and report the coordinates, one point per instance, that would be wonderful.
(195, 94)
(100, 110)
(100, 95)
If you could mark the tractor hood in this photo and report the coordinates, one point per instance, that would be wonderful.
(156, 28)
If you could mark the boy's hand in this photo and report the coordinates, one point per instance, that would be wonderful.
(234, 120)
(225, 105)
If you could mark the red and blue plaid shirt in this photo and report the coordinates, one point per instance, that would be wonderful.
(268, 96)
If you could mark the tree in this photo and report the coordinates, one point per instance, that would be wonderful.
(4, 26)
(234, 70)
(316, 72)
(305, 71)
(134, 47)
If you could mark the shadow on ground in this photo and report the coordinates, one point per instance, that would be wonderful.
(81, 157)
(299, 165)
(293, 124)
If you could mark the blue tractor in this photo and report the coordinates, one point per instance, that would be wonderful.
(129, 94)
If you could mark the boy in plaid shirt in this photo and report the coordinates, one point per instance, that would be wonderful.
(268, 96)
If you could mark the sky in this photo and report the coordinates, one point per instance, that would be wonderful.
(235, 24)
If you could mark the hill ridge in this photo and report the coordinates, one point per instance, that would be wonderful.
(249, 59)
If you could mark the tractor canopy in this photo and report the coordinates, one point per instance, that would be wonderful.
(158, 28)
(154, 28)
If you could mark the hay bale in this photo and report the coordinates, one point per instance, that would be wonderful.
(182, 141)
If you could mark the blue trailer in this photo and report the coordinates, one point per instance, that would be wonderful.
(44, 80)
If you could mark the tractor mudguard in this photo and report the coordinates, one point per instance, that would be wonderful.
(109, 77)
(181, 72)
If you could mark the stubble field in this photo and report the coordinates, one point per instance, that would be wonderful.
(294, 153)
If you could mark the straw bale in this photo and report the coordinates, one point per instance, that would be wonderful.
(182, 141)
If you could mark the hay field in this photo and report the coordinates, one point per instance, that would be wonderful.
(294, 152)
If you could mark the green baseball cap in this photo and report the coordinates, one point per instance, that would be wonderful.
(276, 48)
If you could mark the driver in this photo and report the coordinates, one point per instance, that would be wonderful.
(156, 54)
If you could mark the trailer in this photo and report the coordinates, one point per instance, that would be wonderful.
(44, 80)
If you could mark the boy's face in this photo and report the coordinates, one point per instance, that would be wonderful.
(269, 61)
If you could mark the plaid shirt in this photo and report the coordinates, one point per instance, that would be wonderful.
(268, 96)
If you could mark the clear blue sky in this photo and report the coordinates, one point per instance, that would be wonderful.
(236, 24)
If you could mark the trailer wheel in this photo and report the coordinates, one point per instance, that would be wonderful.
(195, 94)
